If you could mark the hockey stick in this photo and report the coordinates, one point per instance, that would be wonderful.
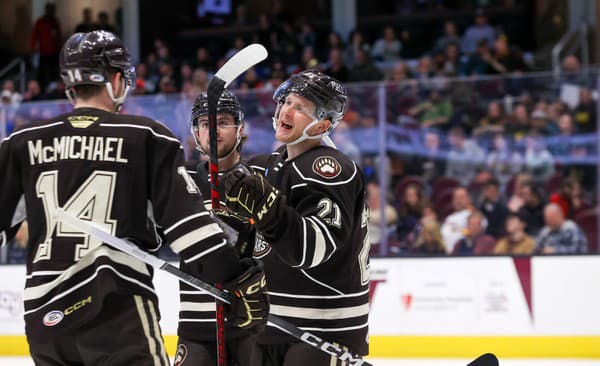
(235, 66)
(487, 359)
(133, 250)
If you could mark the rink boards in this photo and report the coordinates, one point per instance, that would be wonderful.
(433, 307)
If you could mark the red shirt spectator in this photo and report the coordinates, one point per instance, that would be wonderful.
(46, 35)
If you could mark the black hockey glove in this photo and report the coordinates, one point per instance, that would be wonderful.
(251, 195)
(249, 306)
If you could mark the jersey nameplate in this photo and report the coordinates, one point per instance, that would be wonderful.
(327, 167)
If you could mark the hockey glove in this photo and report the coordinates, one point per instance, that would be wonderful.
(251, 195)
(249, 306)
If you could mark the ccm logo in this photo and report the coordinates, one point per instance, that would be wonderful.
(56, 316)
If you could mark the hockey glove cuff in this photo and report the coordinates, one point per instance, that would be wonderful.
(251, 195)
(249, 306)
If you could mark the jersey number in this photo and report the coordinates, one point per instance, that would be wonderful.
(92, 202)
(326, 206)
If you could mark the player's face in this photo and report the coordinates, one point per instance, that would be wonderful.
(226, 133)
(295, 114)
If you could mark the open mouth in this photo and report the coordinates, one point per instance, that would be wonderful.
(285, 125)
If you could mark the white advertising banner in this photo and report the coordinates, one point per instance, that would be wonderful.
(493, 296)
(441, 296)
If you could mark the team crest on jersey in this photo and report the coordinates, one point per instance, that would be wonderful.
(180, 355)
(261, 247)
(327, 167)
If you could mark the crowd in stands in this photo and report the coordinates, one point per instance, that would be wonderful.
(483, 157)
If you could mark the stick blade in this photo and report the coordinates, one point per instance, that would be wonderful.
(241, 61)
(487, 359)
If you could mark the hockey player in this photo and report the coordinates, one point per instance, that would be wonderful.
(86, 303)
(197, 342)
(308, 204)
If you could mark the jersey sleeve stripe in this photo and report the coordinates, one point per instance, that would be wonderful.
(299, 185)
(184, 220)
(313, 329)
(319, 245)
(201, 254)
(196, 306)
(3, 239)
(303, 243)
(320, 313)
(114, 255)
(173, 139)
(195, 236)
(326, 231)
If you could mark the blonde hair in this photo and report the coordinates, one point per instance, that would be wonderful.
(432, 226)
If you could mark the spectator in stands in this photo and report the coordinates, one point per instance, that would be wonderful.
(33, 92)
(357, 42)
(493, 207)
(538, 161)
(388, 47)
(480, 62)
(449, 37)
(200, 80)
(585, 112)
(15, 96)
(493, 122)
(532, 210)
(430, 239)
(411, 206)
(104, 24)
(464, 158)
(428, 161)
(481, 30)
(564, 145)
(503, 161)
(400, 72)
(475, 241)
(570, 198)
(425, 69)
(433, 112)
(375, 219)
(307, 36)
(452, 63)
(203, 60)
(267, 34)
(516, 199)
(518, 125)
(167, 83)
(559, 235)
(87, 24)
(454, 225)
(541, 124)
(506, 60)
(336, 67)
(516, 241)
(143, 84)
(46, 40)
(363, 69)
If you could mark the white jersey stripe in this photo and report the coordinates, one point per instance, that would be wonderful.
(310, 329)
(197, 306)
(207, 251)
(320, 313)
(143, 128)
(303, 243)
(152, 346)
(162, 352)
(184, 220)
(84, 282)
(33, 129)
(320, 247)
(281, 294)
(195, 236)
(321, 283)
(115, 256)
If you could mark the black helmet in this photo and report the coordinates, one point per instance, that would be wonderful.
(328, 94)
(91, 58)
(228, 103)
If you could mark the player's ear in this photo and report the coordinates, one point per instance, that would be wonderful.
(118, 84)
(324, 125)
